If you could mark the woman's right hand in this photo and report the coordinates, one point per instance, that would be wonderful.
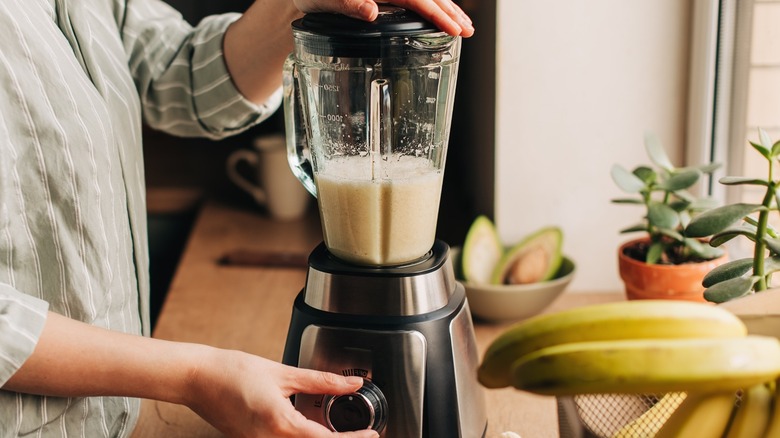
(248, 396)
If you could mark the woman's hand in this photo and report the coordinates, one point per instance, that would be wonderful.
(445, 14)
(247, 396)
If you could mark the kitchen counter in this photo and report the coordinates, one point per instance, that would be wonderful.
(244, 305)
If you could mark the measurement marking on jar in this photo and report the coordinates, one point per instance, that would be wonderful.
(334, 118)
(330, 87)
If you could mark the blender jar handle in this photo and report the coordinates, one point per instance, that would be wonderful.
(298, 151)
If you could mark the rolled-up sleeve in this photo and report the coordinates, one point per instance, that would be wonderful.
(180, 72)
(22, 318)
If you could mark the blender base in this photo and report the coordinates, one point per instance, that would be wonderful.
(424, 365)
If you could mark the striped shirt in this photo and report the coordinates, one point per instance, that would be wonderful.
(78, 77)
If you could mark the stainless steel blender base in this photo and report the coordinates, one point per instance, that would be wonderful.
(424, 365)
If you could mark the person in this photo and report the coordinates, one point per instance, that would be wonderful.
(79, 79)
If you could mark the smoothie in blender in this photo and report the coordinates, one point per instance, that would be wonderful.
(385, 221)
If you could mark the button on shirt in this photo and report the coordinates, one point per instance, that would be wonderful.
(78, 77)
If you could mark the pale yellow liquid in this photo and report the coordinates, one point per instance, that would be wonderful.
(381, 222)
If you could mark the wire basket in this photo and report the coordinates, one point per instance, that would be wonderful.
(604, 415)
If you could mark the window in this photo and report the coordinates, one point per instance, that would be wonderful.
(735, 89)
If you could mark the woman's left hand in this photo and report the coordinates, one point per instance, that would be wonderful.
(445, 14)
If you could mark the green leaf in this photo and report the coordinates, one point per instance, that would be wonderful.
(662, 216)
(772, 264)
(674, 234)
(685, 196)
(777, 198)
(627, 181)
(656, 152)
(751, 221)
(776, 148)
(766, 153)
(628, 201)
(719, 239)
(718, 219)
(654, 253)
(703, 168)
(681, 180)
(753, 224)
(679, 205)
(766, 141)
(773, 244)
(634, 228)
(740, 180)
(685, 219)
(730, 289)
(703, 250)
(727, 271)
(646, 174)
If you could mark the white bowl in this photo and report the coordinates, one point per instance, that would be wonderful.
(512, 302)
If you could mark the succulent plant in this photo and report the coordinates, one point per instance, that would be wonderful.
(746, 275)
(662, 189)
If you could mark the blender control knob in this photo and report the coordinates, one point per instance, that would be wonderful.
(364, 409)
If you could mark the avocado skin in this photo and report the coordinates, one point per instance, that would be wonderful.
(482, 249)
(547, 241)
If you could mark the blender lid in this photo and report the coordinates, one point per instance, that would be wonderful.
(395, 29)
(391, 21)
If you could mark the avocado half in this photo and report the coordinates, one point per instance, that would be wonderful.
(536, 258)
(482, 249)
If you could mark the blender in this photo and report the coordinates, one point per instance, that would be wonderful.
(367, 113)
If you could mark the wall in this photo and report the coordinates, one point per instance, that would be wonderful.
(578, 83)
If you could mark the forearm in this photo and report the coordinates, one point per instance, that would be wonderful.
(75, 359)
(238, 393)
(256, 45)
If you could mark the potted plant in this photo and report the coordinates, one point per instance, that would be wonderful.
(666, 262)
(753, 274)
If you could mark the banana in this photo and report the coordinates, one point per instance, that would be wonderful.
(773, 429)
(700, 415)
(611, 321)
(649, 366)
(650, 422)
(752, 415)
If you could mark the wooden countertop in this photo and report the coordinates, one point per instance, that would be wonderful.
(248, 308)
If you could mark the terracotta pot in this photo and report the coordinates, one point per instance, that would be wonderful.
(673, 282)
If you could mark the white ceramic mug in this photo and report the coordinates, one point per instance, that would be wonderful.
(275, 188)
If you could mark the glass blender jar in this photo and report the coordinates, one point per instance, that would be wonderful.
(368, 109)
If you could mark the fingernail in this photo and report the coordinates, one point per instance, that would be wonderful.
(354, 380)
(366, 10)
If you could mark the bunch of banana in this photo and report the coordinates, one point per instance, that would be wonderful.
(625, 320)
(699, 354)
